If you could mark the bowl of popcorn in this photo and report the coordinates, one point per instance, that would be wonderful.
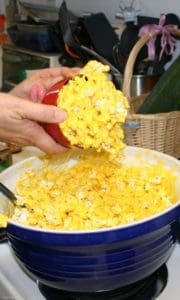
(86, 223)
(102, 215)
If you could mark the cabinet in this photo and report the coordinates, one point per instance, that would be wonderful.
(17, 62)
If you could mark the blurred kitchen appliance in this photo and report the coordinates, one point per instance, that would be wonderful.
(16, 62)
(46, 10)
(141, 84)
(45, 3)
(76, 46)
(37, 36)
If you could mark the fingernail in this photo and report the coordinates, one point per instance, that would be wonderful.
(60, 115)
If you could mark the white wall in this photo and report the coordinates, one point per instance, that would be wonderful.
(111, 7)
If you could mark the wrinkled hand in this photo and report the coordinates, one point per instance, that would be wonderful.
(19, 123)
(36, 85)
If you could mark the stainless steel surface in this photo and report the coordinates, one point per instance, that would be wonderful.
(7, 203)
(142, 84)
(6, 207)
(15, 284)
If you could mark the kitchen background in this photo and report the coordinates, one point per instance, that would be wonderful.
(110, 8)
(49, 10)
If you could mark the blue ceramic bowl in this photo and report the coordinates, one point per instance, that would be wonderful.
(100, 260)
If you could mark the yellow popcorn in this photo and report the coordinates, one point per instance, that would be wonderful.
(92, 193)
(96, 110)
(3, 220)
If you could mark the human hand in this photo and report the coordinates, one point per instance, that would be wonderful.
(35, 86)
(20, 123)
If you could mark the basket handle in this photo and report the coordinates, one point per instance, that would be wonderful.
(128, 73)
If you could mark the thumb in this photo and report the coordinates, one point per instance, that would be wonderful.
(43, 113)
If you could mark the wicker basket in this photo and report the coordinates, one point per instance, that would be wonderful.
(161, 131)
